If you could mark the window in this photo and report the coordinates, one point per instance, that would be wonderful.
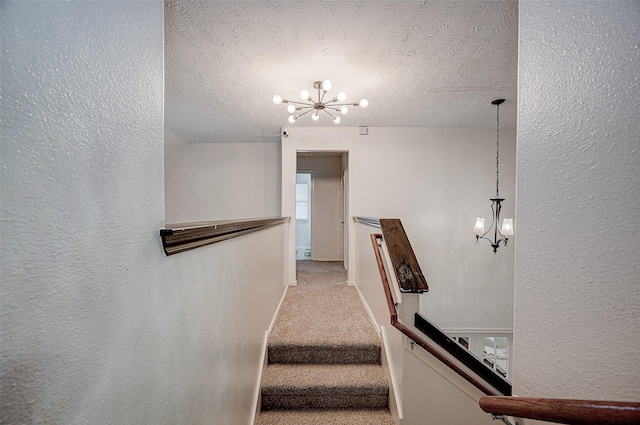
(462, 340)
(302, 202)
(495, 353)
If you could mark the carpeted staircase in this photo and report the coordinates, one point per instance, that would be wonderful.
(323, 356)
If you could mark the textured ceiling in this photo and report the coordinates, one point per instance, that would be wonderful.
(419, 63)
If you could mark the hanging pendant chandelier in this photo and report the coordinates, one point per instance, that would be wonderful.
(499, 235)
(316, 107)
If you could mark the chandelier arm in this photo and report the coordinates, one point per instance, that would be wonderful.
(329, 113)
(492, 242)
(306, 112)
(301, 103)
(497, 221)
(493, 218)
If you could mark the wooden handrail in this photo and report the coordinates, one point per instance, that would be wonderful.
(564, 411)
(404, 262)
(412, 335)
(185, 236)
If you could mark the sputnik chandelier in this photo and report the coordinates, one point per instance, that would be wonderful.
(499, 235)
(319, 105)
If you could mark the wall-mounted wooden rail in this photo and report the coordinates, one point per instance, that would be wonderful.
(369, 221)
(375, 238)
(185, 236)
(564, 411)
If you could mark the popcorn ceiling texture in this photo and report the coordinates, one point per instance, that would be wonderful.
(418, 63)
(577, 292)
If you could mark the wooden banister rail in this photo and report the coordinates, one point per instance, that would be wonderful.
(185, 236)
(412, 335)
(404, 262)
(564, 411)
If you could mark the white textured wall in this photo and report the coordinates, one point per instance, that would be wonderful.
(212, 181)
(435, 394)
(577, 298)
(172, 145)
(437, 181)
(98, 326)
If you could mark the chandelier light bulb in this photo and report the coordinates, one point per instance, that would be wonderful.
(342, 96)
(291, 108)
(479, 227)
(277, 99)
(363, 103)
(304, 94)
(315, 116)
(336, 119)
(326, 85)
(344, 110)
(292, 119)
(507, 227)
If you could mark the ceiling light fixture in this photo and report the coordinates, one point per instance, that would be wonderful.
(316, 106)
(499, 235)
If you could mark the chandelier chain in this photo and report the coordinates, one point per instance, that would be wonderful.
(498, 151)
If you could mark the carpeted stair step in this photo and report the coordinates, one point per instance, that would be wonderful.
(326, 417)
(324, 386)
(324, 354)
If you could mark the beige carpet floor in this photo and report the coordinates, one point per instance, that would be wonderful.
(324, 319)
(324, 355)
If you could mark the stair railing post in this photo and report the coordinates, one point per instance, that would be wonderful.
(407, 307)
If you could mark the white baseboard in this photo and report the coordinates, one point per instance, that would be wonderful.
(395, 402)
(275, 315)
(367, 309)
(257, 394)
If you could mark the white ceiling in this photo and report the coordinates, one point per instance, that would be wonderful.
(419, 63)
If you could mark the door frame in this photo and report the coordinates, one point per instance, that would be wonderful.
(345, 200)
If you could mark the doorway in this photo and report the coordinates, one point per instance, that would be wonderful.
(303, 215)
(321, 206)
